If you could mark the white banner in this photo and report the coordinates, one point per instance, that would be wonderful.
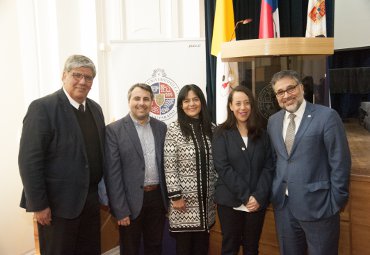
(165, 65)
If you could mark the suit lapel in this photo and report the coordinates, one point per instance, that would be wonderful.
(128, 124)
(278, 132)
(305, 122)
(157, 139)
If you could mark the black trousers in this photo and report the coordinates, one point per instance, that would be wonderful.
(240, 228)
(192, 243)
(149, 224)
(79, 236)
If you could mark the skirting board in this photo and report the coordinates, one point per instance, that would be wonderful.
(114, 251)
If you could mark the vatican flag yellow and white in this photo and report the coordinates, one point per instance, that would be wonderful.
(316, 19)
(226, 73)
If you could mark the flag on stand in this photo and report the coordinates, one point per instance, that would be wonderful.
(316, 18)
(223, 31)
(269, 19)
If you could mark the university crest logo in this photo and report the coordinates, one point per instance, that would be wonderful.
(165, 91)
(266, 102)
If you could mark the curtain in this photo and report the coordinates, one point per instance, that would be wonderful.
(210, 6)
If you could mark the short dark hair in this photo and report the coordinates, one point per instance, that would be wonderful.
(283, 74)
(76, 61)
(143, 86)
(254, 123)
(184, 120)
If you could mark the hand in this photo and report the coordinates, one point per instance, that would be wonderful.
(43, 217)
(252, 204)
(179, 205)
(124, 222)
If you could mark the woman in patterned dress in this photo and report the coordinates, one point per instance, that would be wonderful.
(190, 174)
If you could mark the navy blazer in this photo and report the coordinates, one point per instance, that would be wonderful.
(125, 166)
(243, 171)
(317, 170)
(52, 158)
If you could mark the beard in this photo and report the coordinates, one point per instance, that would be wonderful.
(292, 104)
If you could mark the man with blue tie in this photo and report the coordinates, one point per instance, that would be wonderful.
(313, 164)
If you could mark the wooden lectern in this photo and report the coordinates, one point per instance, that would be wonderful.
(259, 59)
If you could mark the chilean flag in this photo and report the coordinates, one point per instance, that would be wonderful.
(269, 19)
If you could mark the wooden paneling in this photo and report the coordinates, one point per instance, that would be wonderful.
(359, 143)
(109, 230)
(360, 201)
(268, 242)
(215, 239)
(360, 214)
(360, 240)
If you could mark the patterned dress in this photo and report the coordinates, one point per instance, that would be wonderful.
(190, 174)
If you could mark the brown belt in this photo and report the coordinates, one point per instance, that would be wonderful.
(151, 187)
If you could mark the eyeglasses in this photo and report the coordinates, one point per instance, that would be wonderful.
(79, 76)
(290, 89)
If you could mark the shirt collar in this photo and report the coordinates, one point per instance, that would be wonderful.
(72, 101)
(137, 123)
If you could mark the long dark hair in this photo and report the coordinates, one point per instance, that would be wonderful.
(254, 123)
(185, 120)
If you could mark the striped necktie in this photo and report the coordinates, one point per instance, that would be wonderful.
(290, 133)
(81, 108)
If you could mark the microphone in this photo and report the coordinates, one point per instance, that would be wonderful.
(231, 78)
(243, 22)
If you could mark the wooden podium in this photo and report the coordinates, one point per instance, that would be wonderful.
(246, 50)
(259, 59)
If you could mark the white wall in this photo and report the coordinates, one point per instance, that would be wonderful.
(36, 38)
(16, 235)
(351, 24)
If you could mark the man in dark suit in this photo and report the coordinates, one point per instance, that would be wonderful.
(134, 174)
(313, 164)
(61, 163)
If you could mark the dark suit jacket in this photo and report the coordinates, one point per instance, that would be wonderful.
(242, 171)
(317, 170)
(125, 166)
(52, 158)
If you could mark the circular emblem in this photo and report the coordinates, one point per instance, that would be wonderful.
(266, 102)
(165, 91)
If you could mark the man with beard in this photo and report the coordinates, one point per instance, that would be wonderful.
(313, 163)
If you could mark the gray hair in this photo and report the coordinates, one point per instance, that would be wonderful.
(143, 86)
(285, 74)
(76, 61)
